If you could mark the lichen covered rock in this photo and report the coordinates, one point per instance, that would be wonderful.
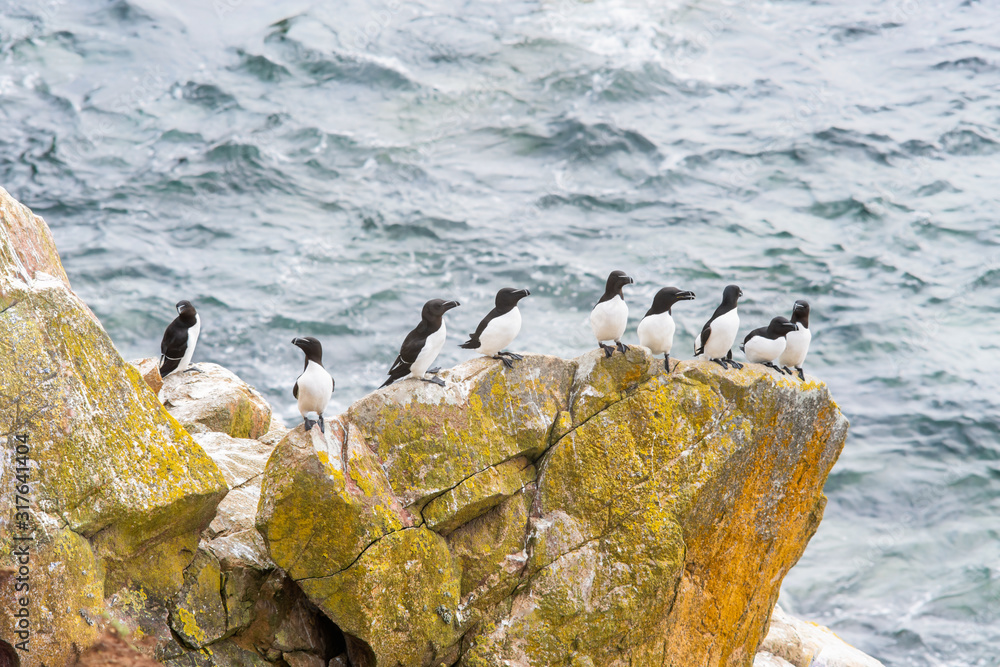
(105, 463)
(590, 512)
(430, 438)
(208, 397)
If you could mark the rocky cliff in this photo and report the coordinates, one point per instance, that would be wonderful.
(587, 512)
(565, 512)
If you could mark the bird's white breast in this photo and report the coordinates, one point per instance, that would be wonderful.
(657, 333)
(609, 318)
(193, 332)
(315, 389)
(500, 332)
(796, 348)
(429, 352)
(759, 349)
(724, 330)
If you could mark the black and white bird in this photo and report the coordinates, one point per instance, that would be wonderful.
(764, 345)
(499, 328)
(656, 330)
(421, 346)
(718, 335)
(314, 385)
(179, 340)
(797, 342)
(610, 316)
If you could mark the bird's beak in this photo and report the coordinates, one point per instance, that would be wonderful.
(630, 281)
(295, 341)
(451, 304)
(525, 293)
(685, 296)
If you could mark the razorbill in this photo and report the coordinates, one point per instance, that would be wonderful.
(718, 335)
(656, 330)
(499, 328)
(421, 346)
(610, 315)
(797, 342)
(764, 345)
(179, 340)
(314, 386)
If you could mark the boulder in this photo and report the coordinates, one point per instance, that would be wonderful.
(208, 397)
(109, 474)
(792, 641)
(26, 245)
(588, 512)
(232, 536)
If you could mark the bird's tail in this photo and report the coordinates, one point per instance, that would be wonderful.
(399, 370)
(743, 347)
(471, 344)
(167, 365)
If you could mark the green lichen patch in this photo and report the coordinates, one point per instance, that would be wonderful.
(430, 439)
(198, 612)
(477, 495)
(315, 519)
(401, 597)
(110, 460)
(64, 602)
(490, 551)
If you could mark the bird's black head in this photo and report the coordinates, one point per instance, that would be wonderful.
(779, 326)
(435, 308)
(508, 297)
(616, 281)
(312, 348)
(731, 294)
(186, 311)
(800, 313)
(666, 298)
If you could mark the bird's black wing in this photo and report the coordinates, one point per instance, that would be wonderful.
(473, 341)
(412, 344)
(173, 346)
(699, 343)
(707, 330)
(295, 389)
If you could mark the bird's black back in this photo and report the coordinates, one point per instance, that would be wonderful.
(173, 346)
(412, 344)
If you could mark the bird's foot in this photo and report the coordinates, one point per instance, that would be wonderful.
(437, 381)
(771, 365)
(622, 347)
(666, 362)
(322, 429)
(192, 369)
(515, 357)
(506, 362)
(721, 362)
(436, 369)
(608, 350)
(802, 373)
(309, 424)
(736, 364)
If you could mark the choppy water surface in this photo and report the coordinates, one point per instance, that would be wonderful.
(323, 168)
